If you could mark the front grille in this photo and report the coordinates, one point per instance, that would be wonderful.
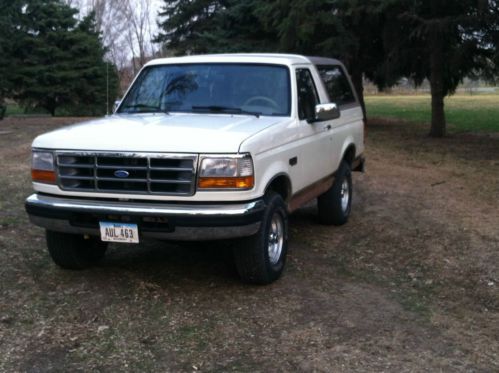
(130, 173)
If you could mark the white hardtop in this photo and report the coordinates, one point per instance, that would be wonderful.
(263, 58)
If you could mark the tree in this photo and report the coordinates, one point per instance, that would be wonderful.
(351, 30)
(7, 43)
(439, 40)
(140, 32)
(443, 41)
(239, 26)
(126, 28)
(347, 29)
(184, 23)
(95, 79)
(58, 61)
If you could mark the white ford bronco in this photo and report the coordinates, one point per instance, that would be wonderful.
(204, 148)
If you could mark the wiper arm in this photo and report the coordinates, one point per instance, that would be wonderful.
(148, 108)
(225, 109)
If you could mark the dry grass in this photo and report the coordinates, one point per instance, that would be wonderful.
(409, 284)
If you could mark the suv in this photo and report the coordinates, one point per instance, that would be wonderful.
(204, 148)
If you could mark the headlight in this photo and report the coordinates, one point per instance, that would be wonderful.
(42, 167)
(226, 173)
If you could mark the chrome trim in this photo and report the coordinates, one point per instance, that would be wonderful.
(180, 233)
(327, 112)
(345, 195)
(275, 239)
(91, 206)
(148, 168)
(226, 155)
(88, 153)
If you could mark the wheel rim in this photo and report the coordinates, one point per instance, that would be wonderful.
(276, 238)
(345, 195)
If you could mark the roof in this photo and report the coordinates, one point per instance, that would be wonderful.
(272, 58)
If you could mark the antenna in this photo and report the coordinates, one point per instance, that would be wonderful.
(107, 88)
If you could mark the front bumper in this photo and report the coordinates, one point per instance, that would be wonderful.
(171, 221)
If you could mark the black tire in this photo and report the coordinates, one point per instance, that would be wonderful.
(253, 259)
(71, 251)
(331, 209)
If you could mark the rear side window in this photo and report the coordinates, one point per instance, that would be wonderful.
(337, 85)
(307, 94)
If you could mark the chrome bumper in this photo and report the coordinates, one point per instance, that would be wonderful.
(183, 221)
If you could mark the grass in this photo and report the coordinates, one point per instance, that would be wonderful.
(15, 109)
(479, 113)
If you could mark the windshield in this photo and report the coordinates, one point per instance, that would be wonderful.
(219, 88)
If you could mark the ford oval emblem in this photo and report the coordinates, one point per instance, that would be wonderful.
(121, 174)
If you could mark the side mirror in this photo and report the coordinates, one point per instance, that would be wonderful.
(326, 112)
(116, 104)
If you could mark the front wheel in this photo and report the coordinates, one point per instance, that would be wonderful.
(260, 258)
(336, 203)
(72, 251)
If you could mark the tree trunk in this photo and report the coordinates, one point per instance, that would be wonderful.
(438, 124)
(359, 87)
(50, 104)
(50, 107)
(3, 108)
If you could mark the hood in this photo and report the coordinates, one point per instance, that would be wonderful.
(175, 133)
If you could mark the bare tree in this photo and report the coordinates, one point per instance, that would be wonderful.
(140, 18)
(127, 30)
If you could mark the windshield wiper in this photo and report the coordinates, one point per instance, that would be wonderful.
(148, 108)
(225, 109)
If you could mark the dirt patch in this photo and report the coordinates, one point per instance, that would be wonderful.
(409, 284)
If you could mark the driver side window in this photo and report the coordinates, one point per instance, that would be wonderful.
(307, 94)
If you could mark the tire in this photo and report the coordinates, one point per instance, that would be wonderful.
(71, 251)
(336, 203)
(258, 260)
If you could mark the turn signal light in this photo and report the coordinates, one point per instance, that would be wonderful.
(42, 176)
(245, 182)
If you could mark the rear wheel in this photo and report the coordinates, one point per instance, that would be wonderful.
(336, 203)
(260, 258)
(72, 251)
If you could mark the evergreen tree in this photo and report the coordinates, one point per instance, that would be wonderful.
(443, 41)
(8, 18)
(58, 60)
(351, 30)
(439, 40)
(240, 27)
(347, 29)
(91, 73)
(214, 26)
(184, 23)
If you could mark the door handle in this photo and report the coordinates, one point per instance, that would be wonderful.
(327, 127)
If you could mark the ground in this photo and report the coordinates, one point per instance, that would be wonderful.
(409, 284)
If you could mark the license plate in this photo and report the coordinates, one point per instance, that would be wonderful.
(119, 232)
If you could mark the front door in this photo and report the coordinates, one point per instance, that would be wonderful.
(316, 137)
